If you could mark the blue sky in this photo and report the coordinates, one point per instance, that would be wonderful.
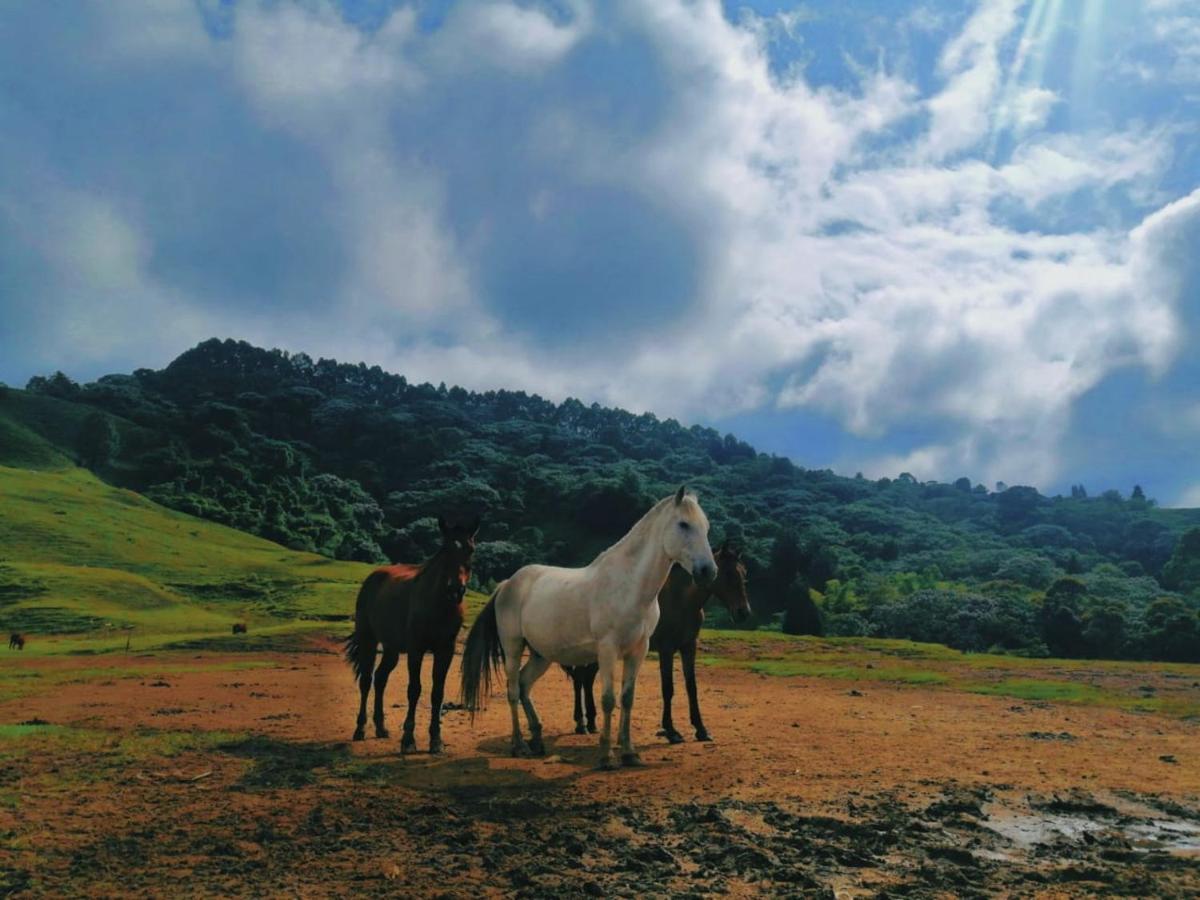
(937, 237)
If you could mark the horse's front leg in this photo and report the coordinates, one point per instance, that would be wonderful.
(577, 689)
(666, 669)
(408, 741)
(607, 659)
(629, 673)
(441, 665)
(589, 697)
(687, 654)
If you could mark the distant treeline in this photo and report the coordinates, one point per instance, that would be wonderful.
(356, 463)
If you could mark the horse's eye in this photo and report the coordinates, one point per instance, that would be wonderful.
(685, 526)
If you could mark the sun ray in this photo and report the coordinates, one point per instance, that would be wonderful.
(1086, 61)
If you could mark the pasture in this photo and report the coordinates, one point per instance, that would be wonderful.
(144, 746)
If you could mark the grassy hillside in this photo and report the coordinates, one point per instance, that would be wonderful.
(354, 463)
(84, 565)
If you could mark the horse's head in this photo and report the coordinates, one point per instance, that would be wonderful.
(458, 543)
(685, 537)
(730, 585)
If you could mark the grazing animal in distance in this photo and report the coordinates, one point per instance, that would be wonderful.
(239, 628)
(681, 615)
(412, 610)
(16, 641)
(604, 612)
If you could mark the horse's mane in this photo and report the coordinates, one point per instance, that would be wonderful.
(640, 526)
(421, 568)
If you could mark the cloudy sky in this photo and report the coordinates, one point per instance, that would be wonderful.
(940, 237)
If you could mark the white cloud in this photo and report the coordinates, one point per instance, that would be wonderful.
(961, 114)
(858, 252)
(506, 36)
(104, 298)
(1189, 499)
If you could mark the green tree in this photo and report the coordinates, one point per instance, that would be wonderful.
(99, 441)
(1182, 571)
(1172, 630)
(801, 615)
(1104, 629)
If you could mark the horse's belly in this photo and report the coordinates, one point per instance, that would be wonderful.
(581, 655)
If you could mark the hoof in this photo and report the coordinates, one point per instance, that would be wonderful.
(408, 744)
(631, 760)
(703, 735)
(436, 747)
(359, 735)
(606, 764)
(520, 749)
(674, 737)
(592, 729)
(579, 729)
(382, 733)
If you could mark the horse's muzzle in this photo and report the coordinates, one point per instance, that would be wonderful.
(704, 573)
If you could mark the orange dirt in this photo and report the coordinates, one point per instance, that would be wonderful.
(813, 787)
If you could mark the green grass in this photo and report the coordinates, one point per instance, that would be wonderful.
(84, 562)
(1112, 683)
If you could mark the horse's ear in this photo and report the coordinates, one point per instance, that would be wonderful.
(679, 494)
(474, 526)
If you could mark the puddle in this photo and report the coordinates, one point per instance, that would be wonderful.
(1172, 835)
(1028, 830)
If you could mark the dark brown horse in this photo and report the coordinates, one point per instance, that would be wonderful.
(16, 641)
(412, 610)
(681, 614)
(239, 628)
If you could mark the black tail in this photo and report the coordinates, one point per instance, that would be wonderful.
(482, 656)
(360, 645)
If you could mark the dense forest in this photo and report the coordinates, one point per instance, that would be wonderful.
(356, 463)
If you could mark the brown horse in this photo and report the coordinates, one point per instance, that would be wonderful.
(239, 628)
(16, 641)
(412, 610)
(681, 614)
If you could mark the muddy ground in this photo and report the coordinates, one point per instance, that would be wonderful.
(205, 778)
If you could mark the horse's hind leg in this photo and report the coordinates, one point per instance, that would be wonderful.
(532, 671)
(441, 665)
(666, 668)
(390, 657)
(408, 742)
(366, 662)
(512, 676)
(688, 654)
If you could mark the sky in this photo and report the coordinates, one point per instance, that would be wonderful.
(930, 236)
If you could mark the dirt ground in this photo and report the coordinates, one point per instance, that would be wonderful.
(812, 787)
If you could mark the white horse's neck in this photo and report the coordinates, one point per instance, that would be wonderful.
(640, 554)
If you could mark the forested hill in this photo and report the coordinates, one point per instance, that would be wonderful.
(354, 462)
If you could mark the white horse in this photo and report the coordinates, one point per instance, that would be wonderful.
(601, 613)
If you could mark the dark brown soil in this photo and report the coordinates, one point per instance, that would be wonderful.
(809, 790)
